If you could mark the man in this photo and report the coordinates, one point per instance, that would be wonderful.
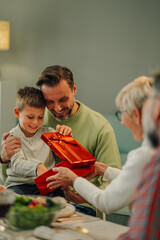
(90, 128)
(145, 221)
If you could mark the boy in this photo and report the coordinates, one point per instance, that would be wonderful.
(34, 157)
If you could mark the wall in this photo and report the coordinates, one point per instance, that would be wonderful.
(106, 43)
(7, 103)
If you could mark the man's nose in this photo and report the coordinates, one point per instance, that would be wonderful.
(57, 108)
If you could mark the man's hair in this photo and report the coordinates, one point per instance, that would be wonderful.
(51, 76)
(134, 94)
(31, 97)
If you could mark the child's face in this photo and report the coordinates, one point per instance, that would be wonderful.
(30, 119)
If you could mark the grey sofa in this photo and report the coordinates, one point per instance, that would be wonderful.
(125, 143)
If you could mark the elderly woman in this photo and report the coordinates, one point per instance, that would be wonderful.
(121, 190)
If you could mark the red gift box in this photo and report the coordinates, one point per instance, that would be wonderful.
(68, 149)
(41, 180)
(72, 154)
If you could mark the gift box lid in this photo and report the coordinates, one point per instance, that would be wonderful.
(68, 149)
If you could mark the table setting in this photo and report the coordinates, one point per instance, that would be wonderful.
(65, 224)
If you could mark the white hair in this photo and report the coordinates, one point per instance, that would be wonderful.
(134, 94)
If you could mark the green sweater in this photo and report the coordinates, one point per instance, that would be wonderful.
(94, 133)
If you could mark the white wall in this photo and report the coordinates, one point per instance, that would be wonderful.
(106, 43)
(8, 91)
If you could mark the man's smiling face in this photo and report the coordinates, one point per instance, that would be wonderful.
(60, 99)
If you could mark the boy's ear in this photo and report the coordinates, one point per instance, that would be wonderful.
(16, 112)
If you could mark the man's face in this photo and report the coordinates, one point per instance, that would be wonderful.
(150, 121)
(60, 99)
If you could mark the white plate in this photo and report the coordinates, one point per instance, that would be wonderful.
(56, 235)
(67, 211)
(71, 235)
(59, 234)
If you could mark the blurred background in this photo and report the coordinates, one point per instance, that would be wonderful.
(106, 44)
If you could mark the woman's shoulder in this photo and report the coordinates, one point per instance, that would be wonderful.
(140, 155)
(142, 150)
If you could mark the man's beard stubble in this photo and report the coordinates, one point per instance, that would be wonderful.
(61, 118)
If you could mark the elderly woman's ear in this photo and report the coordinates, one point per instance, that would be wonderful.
(136, 116)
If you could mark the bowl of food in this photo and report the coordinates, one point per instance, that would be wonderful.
(30, 212)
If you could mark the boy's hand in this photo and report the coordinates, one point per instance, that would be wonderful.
(63, 129)
(41, 169)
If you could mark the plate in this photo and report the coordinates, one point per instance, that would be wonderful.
(69, 234)
(55, 235)
(67, 211)
(59, 234)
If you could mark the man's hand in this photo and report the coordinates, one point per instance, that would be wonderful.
(9, 146)
(74, 197)
(64, 178)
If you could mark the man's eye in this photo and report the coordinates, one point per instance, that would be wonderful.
(30, 117)
(63, 100)
(49, 101)
(40, 117)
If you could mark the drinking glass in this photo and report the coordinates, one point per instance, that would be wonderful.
(6, 201)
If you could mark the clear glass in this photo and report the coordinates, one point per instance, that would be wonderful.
(6, 201)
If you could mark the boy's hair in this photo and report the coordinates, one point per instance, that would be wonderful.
(31, 97)
(134, 94)
(51, 76)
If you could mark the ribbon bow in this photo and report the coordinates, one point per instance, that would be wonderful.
(59, 137)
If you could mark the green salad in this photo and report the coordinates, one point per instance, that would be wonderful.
(28, 212)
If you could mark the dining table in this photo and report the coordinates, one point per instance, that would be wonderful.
(76, 226)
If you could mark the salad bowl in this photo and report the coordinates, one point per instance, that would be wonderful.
(30, 212)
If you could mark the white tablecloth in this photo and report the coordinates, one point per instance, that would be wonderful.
(65, 229)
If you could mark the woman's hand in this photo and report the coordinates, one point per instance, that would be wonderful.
(74, 197)
(64, 178)
(100, 168)
(9, 146)
(63, 129)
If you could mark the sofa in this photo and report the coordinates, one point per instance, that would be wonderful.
(125, 143)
